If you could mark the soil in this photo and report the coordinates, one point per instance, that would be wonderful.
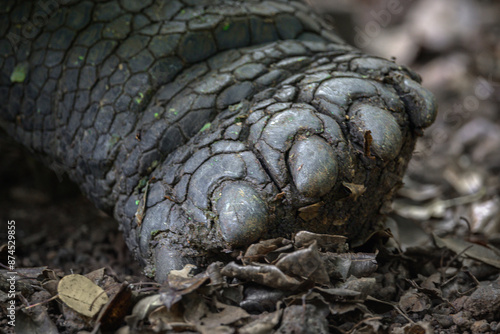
(435, 269)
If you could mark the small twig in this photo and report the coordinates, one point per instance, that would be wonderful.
(400, 311)
(41, 303)
(362, 322)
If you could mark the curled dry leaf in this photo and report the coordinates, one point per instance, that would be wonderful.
(264, 274)
(144, 307)
(355, 189)
(177, 286)
(226, 315)
(311, 211)
(304, 319)
(341, 266)
(327, 242)
(184, 272)
(260, 298)
(263, 324)
(116, 309)
(163, 319)
(264, 247)
(364, 285)
(305, 263)
(413, 301)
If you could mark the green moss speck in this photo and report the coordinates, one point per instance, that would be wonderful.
(114, 139)
(206, 127)
(157, 115)
(142, 183)
(139, 99)
(19, 73)
(137, 202)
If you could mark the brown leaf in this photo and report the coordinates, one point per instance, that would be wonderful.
(341, 266)
(264, 323)
(263, 247)
(356, 189)
(163, 319)
(264, 274)
(488, 255)
(177, 286)
(324, 241)
(305, 263)
(413, 301)
(227, 315)
(113, 313)
(311, 211)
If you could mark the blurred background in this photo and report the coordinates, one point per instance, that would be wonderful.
(452, 185)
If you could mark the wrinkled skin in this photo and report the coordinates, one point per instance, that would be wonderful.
(203, 128)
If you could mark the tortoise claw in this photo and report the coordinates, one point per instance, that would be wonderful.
(313, 166)
(243, 215)
(166, 258)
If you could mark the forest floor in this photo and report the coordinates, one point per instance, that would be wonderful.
(436, 269)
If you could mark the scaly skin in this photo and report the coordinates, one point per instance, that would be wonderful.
(207, 127)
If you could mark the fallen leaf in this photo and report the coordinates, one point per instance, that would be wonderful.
(177, 286)
(356, 189)
(184, 272)
(264, 247)
(81, 294)
(311, 211)
(305, 263)
(325, 242)
(116, 309)
(264, 274)
(474, 251)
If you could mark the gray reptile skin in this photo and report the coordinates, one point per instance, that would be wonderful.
(206, 125)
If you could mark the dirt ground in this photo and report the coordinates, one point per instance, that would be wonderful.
(436, 269)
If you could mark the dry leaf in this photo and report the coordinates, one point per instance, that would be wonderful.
(324, 241)
(263, 274)
(81, 294)
(311, 211)
(177, 286)
(355, 189)
(305, 263)
(474, 251)
(116, 309)
(184, 272)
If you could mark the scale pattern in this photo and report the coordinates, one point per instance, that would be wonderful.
(203, 125)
